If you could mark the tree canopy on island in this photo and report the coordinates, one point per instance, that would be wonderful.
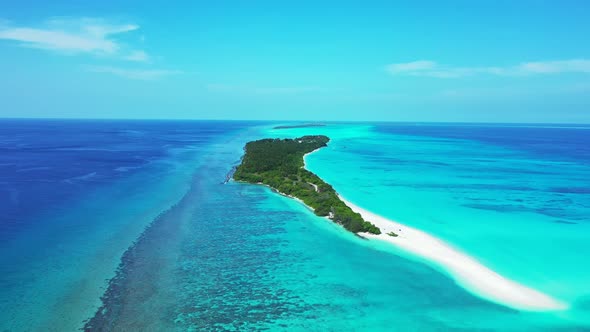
(278, 163)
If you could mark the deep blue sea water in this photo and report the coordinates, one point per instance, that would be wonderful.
(129, 225)
(45, 163)
(74, 195)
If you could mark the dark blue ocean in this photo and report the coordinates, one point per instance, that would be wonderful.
(74, 195)
(46, 164)
(132, 226)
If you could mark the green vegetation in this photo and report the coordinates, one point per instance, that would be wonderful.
(392, 234)
(278, 163)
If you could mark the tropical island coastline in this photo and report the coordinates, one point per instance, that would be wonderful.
(279, 164)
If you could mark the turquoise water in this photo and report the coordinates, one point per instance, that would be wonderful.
(195, 253)
(519, 210)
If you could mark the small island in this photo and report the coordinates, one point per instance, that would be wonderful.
(278, 163)
(305, 125)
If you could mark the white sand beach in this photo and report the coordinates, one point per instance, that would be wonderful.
(467, 271)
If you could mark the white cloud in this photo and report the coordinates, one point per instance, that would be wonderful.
(261, 90)
(432, 69)
(550, 67)
(414, 66)
(75, 36)
(136, 74)
(139, 56)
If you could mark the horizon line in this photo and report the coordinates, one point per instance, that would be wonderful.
(290, 121)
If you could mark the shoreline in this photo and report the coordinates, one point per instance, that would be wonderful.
(465, 270)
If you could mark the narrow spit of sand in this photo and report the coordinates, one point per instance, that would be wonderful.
(466, 270)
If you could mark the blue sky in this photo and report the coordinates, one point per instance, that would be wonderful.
(492, 61)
